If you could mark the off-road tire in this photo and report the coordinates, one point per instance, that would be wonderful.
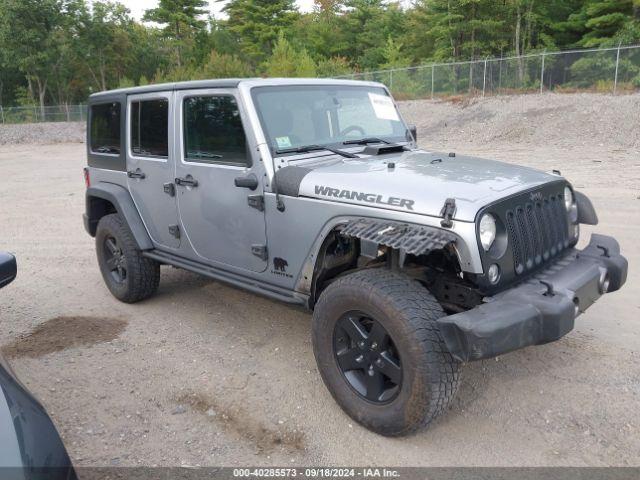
(407, 310)
(142, 274)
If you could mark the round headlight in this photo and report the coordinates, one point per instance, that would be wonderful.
(487, 230)
(568, 198)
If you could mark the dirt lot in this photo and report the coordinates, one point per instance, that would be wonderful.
(205, 374)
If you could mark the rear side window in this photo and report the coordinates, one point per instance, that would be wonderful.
(105, 128)
(213, 131)
(150, 128)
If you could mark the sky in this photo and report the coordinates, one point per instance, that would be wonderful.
(138, 7)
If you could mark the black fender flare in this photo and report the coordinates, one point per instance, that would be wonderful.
(121, 199)
(586, 213)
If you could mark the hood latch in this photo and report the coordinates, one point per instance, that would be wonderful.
(447, 212)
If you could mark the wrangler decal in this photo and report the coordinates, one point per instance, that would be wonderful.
(364, 197)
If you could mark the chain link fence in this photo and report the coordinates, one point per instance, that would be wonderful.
(36, 114)
(604, 70)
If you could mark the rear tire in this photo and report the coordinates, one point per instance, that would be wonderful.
(381, 300)
(129, 276)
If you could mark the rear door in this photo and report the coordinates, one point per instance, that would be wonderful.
(151, 165)
(221, 226)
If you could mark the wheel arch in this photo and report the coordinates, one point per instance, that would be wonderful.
(353, 238)
(105, 198)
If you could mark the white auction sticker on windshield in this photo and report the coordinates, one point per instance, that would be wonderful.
(383, 107)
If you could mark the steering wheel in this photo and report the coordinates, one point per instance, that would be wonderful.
(352, 128)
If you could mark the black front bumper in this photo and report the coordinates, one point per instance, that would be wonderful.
(542, 309)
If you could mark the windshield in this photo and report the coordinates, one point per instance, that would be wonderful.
(326, 115)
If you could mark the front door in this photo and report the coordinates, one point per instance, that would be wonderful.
(150, 165)
(215, 214)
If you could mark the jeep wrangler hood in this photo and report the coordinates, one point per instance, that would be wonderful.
(420, 182)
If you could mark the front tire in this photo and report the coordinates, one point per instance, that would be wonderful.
(129, 276)
(380, 353)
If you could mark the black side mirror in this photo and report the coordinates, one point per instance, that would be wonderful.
(414, 132)
(250, 182)
(8, 268)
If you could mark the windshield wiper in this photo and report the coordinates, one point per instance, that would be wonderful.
(365, 141)
(314, 148)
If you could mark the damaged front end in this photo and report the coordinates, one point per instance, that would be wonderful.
(541, 309)
(426, 253)
(404, 237)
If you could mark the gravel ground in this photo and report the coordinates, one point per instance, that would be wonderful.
(559, 120)
(42, 133)
(205, 374)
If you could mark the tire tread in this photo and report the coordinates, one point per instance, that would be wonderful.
(144, 273)
(440, 371)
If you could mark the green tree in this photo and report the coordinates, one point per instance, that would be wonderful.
(29, 35)
(222, 65)
(126, 82)
(333, 67)
(148, 52)
(176, 74)
(216, 37)
(65, 82)
(553, 21)
(218, 65)
(393, 56)
(10, 77)
(286, 61)
(630, 32)
(58, 51)
(457, 29)
(327, 6)
(104, 43)
(322, 31)
(23, 98)
(602, 21)
(367, 25)
(401, 82)
(256, 24)
(182, 22)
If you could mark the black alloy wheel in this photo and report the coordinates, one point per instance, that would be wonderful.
(128, 274)
(367, 357)
(115, 259)
(380, 353)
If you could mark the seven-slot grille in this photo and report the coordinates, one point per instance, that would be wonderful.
(538, 231)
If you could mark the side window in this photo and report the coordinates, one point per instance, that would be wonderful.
(150, 128)
(105, 128)
(213, 131)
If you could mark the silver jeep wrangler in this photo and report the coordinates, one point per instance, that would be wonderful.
(313, 192)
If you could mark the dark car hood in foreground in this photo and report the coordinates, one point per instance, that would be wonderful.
(30, 446)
